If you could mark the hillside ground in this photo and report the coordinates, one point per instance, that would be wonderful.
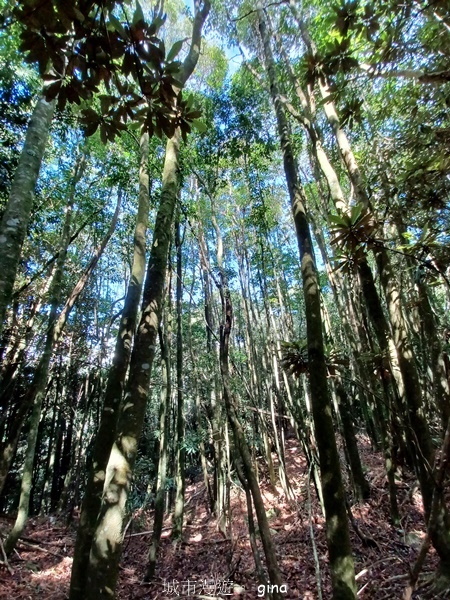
(206, 565)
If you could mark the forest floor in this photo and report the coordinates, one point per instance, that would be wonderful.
(207, 566)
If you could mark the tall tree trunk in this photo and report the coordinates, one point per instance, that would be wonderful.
(107, 543)
(14, 223)
(441, 390)
(338, 537)
(241, 442)
(113, 395)
(83, 403)
(166, 394)
(180, 450)
(360, 483)
(36, 393)
(251, 523)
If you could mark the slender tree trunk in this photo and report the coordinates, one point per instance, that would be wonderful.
(361, 485)
(196, 391)
(166, 394)
(180, 450)
(220, 431)
(241, 442)
(53, 444)
(81, 283)
(272, 358)
(251, 524)
(82, 406)
(338, 537)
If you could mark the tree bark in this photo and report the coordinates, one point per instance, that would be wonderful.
(14, 223)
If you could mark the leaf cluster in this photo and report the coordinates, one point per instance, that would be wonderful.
(294, 359)
(81, 46)
(350, 231)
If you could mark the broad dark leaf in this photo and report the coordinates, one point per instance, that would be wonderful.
(174, 51)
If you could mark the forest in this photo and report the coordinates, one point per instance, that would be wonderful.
(224, 299)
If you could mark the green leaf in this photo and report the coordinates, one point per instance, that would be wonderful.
(193, 114)
(173, 67)
(173, 52)
(138, 14)
(199, 125)
(118, 27)
(90, 128)
(105, 103)
(156, 24)
(89, 114)
(128, 63)
(356, 212)
(338, 220)
(103, 133)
